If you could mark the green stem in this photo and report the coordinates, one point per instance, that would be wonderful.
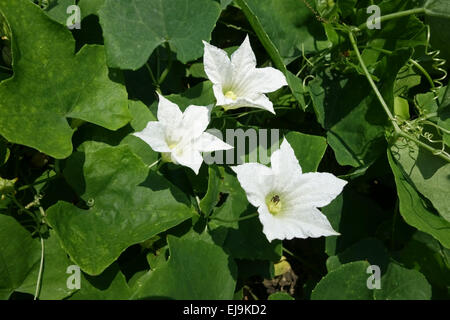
(6, 69)
(414, 62)
(237, 220)
(36, 183)
(424, 72)
(169, 65)
(262, 36)
(155, 83)
(41, 268)
(383, 103)
(395, 15)
(22, 208)
(154, 163)
(371, 82)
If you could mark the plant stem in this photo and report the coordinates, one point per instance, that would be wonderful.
(36, 183)
(6, 69)
(414, 62)
(154, 163)
(371, 82)
(383, 103)
(395, 15)
(22, 208)
(168, 67)
(237, 220)
(41, 268)
(155, 83)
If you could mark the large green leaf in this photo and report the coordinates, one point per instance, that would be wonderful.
(348, 210)
(134, 28)
(290, 25)
(414, 210)
(348, 282)
(348, 109)
(125, 205)
(196, 270)
(438, 17)
(429, 174)
(110, 285)
(18, 254)
(425, 254)
(308, 149)
(51, 84)
(54, 276)
(399, 283)
(369, 249)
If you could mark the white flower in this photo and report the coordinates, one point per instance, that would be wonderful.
(287, 199)
(237, 82)
(179, 136)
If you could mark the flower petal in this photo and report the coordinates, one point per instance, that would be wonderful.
(285, 167)
(318, 189)
(243, 60)
(154, 136)
(259, 101)
(169, 113)
(217, 64)
(311, 223)
(209, 143)
(186, 155)
(256, 179)
(263, 80)
(195, 121)
(221, 100)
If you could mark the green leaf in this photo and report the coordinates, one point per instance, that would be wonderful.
(348, 109)
(199, 95)
(438, 17)
(428, 174)
(427, 256)
(308, 149)
(54, 276)
(348, 282)
(290, 25)
(64, 85)
(280, 296)
(196, 270)
(444, 115)
(401, 108)
(19, 253)
(415, 212)
(133, 29)
(348, 210)
(88, 7)
(125, 205)
(56, 10)
(369, 249)
(110, 285)
(399, 283)
(262, 30)
(211, 198)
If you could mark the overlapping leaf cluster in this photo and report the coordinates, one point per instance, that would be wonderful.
(369, 105)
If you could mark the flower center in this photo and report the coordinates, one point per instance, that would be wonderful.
(172, 145)
(230, 95)
(274, 205)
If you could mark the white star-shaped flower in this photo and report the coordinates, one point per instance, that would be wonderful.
(287, 199)
(180, 136)
(237, 82)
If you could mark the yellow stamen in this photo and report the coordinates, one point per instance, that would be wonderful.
(274, 204)
(231, 95)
